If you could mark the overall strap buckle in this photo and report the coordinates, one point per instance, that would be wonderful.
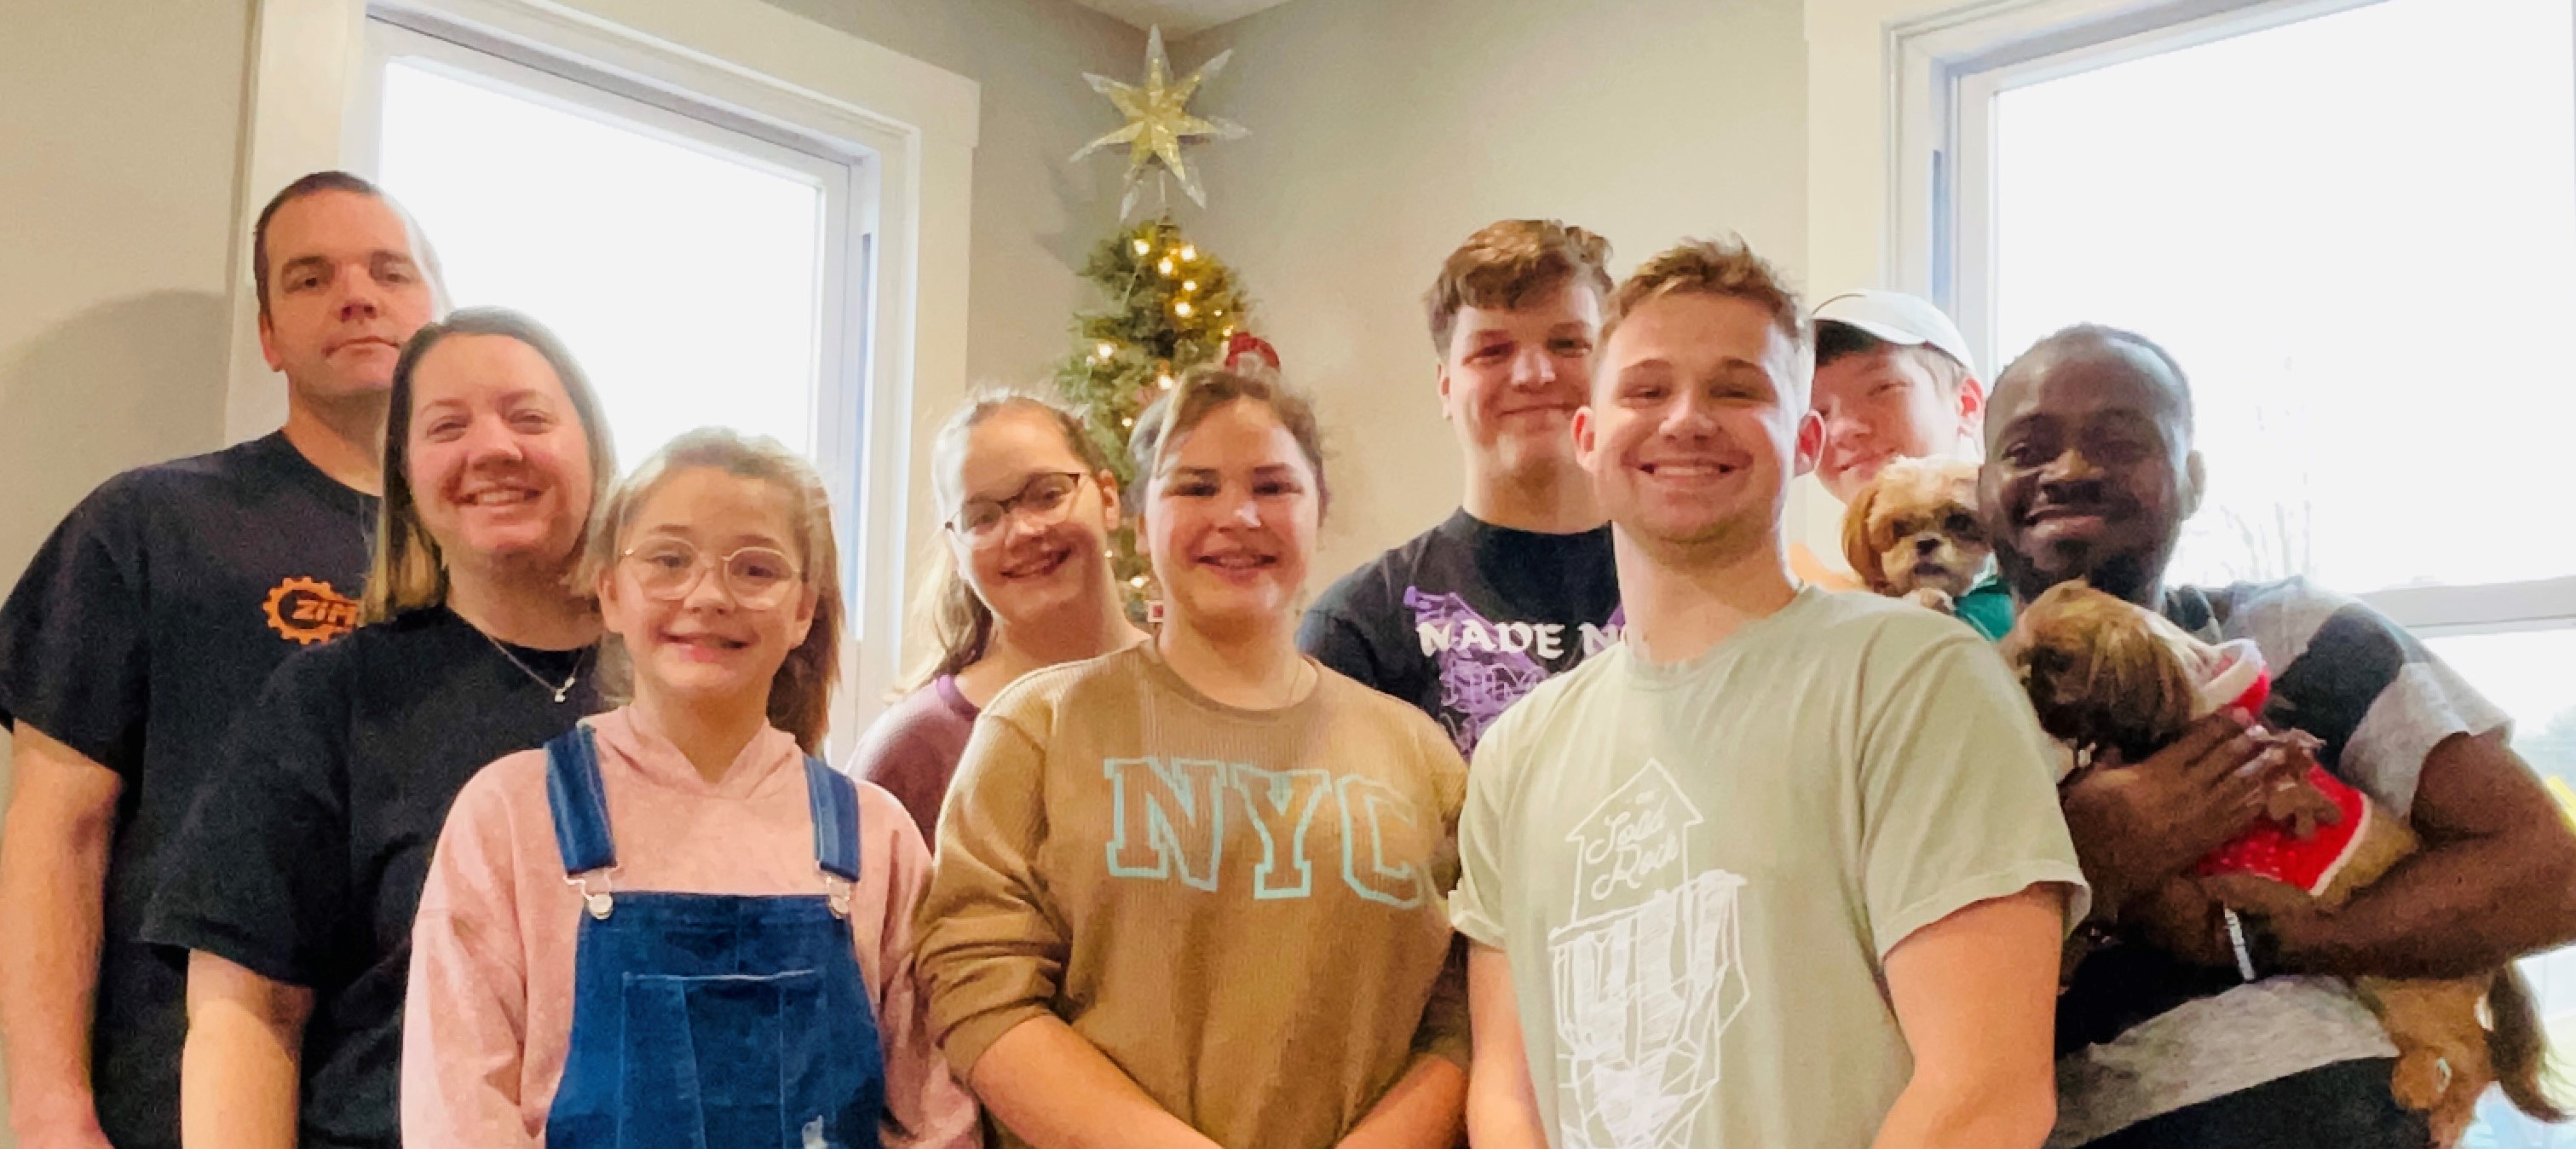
(835, 803)
(600, 902)
(580, 808)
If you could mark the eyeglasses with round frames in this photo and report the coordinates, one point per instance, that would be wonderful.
(668, 569)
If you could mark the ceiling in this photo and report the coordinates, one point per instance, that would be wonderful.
(1179, 18)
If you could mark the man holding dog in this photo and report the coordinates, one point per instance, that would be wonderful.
(2089, 474)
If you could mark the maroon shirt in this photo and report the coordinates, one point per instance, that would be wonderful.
(912, 749)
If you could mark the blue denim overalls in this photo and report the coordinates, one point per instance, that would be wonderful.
(707, 1021)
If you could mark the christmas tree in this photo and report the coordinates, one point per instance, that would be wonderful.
(1171, 307)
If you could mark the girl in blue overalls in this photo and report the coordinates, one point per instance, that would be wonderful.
(671, 927)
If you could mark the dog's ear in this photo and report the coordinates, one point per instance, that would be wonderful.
(1857, 549)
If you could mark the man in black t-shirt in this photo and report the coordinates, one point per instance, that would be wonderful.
(147, 620)
(1517, 585)
(2254, 1036)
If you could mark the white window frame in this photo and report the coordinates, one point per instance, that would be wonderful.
(913, 124)
(1941, 163)
(846, 180)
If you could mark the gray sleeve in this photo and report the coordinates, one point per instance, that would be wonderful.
(2429, 702)
(2373, 692)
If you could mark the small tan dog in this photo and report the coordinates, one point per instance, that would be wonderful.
(2114, 683)
(1912, 533)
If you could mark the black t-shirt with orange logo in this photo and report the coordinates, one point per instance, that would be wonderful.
(306, 865)
(149, 618)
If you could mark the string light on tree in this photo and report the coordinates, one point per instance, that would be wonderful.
(1155, 329)
(1166, 304)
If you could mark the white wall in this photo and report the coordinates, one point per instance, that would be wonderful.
(121, 120)
(1383, 133)
(1850, 218)
(1036, 216)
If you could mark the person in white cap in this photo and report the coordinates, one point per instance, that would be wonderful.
(1894, 380)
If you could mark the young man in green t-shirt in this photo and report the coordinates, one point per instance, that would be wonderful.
(1783, 867)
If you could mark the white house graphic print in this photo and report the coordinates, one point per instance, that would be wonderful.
(1647, 973)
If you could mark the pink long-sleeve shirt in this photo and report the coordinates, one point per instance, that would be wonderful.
(489, 1019)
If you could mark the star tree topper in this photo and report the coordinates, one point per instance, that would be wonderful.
(1159, 123)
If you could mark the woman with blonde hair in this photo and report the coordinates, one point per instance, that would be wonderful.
(1021, 581)
(1190, 894)
(294, 880)
(673, 926)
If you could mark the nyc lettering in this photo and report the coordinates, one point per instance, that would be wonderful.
(1170, 819)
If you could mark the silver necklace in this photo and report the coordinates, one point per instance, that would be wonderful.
(560, 692)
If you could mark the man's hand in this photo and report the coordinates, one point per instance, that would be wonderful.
(2496, 879)
(2135, 826)
(2181, 918)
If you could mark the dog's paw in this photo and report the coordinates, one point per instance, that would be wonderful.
(2300, 807)
(1933, 598)
(2420, 1079)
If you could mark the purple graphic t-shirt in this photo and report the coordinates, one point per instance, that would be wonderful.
(1467, 617)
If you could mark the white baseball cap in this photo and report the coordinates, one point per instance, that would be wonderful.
(1900, 319)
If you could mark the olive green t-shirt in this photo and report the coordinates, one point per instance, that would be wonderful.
(1697, 869)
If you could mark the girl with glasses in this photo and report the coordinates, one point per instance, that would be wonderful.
(1191, 893)
(1021, 582)
(672, 926)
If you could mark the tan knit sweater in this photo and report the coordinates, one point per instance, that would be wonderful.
(1243, 910)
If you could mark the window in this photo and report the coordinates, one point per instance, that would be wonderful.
(703, 268)
(2528, 673)
(2341, 253)
(2351, 221)
(694, 269)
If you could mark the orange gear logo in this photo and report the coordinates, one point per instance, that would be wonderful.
(308, 611)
